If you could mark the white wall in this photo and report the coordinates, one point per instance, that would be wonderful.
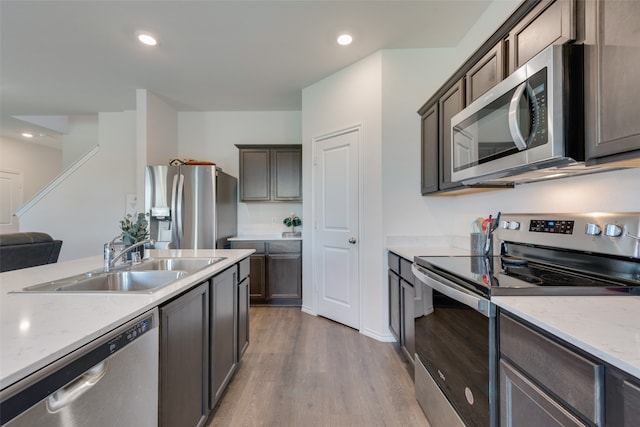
(156, 137)
(212, 136)
(344, 99)
(81, 137)
(84, 210)
(37, 163)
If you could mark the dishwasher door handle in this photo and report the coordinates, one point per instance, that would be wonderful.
(67, 394)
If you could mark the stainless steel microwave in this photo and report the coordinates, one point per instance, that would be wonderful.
(529, 121)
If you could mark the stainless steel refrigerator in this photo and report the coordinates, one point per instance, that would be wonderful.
(191, 207)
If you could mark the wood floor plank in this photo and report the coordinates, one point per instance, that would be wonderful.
(301, 370)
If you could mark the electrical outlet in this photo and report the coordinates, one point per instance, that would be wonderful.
(273, 220)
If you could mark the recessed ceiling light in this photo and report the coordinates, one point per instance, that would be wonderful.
(27, 134)
(344, 39)
(147, 39)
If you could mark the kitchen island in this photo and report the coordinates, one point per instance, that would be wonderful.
(36, 329)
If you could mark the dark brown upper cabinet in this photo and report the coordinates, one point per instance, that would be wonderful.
(550, 22)
(430, 142)
(270, 173)
(451, 103)
(486, 73)
(612, 71)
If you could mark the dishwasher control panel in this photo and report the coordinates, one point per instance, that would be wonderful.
(133, 332)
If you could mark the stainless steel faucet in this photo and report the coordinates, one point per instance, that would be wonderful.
(110, 258)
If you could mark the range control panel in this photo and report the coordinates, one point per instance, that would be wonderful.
(597, 232)
(551, 226)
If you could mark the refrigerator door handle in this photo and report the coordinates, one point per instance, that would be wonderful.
(180, 209)
(174, 211)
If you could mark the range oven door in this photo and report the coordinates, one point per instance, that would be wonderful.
(455, 355)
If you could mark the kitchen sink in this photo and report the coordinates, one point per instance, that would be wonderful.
(120, 281)
(146, 277)
(189, 265)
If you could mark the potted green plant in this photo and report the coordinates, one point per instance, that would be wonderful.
(292, 221)
(135, 228)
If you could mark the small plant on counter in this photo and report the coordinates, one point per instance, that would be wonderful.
(135, 228)
(292, 221)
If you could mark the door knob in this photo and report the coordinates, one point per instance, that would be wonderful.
(352, 240)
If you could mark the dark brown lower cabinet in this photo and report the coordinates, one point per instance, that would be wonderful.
(394, 304)
(203, 334)
(276, 271)
(223, 302)
(523, 403)
(408, 335)
(257, 288)
(623, 399)
(285, 273)
(243, 317)
(184, 343)
(544, 382)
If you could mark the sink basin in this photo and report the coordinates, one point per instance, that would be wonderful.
(146, 277)
(120, 281)
(189, 265)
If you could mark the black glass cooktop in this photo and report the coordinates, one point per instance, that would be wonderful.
(493, 276)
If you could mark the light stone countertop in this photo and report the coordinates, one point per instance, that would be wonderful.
(607, 327)
(37, 329)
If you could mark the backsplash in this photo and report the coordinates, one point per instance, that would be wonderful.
(266, 218)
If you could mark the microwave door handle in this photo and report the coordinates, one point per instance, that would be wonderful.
(514, 122)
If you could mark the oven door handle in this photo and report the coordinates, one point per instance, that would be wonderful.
(453, 290)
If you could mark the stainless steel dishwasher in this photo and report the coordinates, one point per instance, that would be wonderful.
(112, 381)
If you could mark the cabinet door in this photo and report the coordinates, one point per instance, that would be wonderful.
(286, 174)
(551, 22)
(243, 317)
(522, 403)
(623, 399)
(184, 331)
(255, 174)
(612, 71)
(223, 331)
(486, 73)
(570, 376)
(285, 276)
(429, 154)
(257, 278)
(451, 104)
(407, 340)
(394, 305)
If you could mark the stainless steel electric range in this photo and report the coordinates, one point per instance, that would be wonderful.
(539, 254)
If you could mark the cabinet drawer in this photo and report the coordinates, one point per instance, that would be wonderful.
(284, 247)
(405, 270)
(258, 246)
(244, 268)
(394, 263)
(569, 376)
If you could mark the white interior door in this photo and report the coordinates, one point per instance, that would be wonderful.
(335, 247)
(10, 200)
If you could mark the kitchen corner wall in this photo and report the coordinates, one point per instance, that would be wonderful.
(212, 136)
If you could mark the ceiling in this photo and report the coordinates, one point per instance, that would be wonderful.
(81, 57)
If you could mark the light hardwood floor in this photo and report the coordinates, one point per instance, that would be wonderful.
(301, 370)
